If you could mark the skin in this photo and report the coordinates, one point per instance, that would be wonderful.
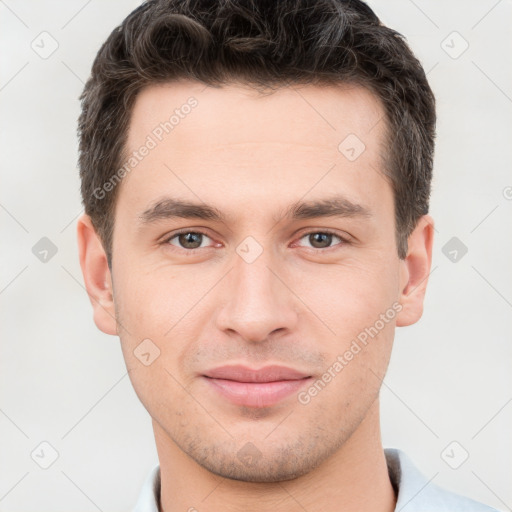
(297, 304)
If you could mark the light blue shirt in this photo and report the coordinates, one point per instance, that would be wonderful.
(415, 492)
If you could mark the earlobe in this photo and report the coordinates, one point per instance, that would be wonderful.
(97, 277)
(415, 271)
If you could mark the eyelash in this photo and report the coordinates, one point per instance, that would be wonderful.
(167, 240)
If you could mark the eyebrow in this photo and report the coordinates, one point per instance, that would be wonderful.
(335, 206)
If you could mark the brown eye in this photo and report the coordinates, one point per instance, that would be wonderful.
(188, 240)
(321, 240)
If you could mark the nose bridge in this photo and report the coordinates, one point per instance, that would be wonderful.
(257, 301)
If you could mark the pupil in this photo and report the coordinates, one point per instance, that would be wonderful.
(190, 240)
(320, 240)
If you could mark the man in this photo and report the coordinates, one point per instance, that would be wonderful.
(256, 179)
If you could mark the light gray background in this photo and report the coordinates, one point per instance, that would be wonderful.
(64, 382)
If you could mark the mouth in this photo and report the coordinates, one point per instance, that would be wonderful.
(265, 387)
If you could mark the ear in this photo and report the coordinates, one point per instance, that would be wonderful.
(97, 277)
(415, 270)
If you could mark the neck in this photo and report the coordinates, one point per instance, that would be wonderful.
(354, 478)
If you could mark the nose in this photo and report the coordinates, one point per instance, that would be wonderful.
(257, 300)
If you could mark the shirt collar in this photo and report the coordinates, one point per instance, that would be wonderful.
(415, 493)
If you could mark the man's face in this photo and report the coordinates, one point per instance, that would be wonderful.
(262, 284)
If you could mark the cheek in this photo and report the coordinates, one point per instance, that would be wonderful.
(360, 305)
(351, 296)
(151, 302)
(162, 313)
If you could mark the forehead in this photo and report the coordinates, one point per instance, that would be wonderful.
(236, 113)
(226, 144)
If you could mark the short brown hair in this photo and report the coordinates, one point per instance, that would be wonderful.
(266, 44)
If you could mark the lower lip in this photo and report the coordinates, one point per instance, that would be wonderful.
(256, 394)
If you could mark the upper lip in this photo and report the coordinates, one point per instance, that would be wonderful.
(241, 373)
